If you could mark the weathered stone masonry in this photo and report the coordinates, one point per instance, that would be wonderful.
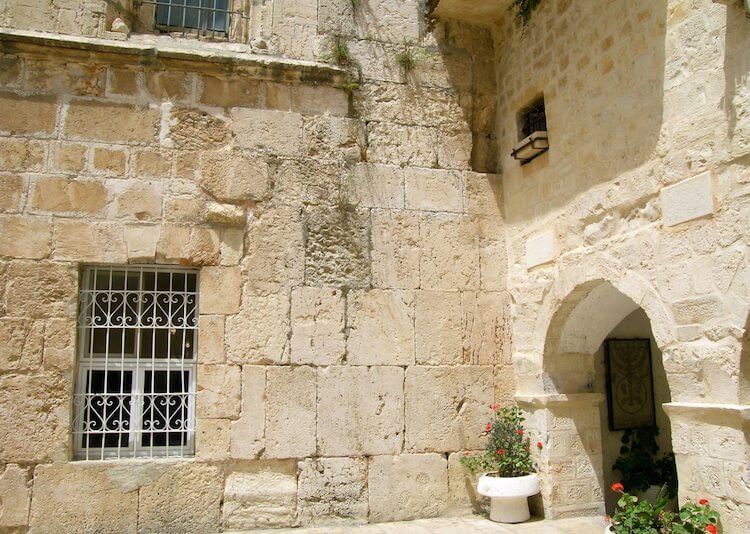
(362, 266)
(354, 321)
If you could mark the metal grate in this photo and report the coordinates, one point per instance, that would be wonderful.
(532, 118)
(204, 17)
(137, 339)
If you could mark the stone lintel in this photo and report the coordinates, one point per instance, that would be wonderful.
(163, 53)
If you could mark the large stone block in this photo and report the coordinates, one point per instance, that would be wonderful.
(221, 290)
(450, 253)
(25, 236)
(360, 410)
(212, 439)
(21, 343)
(79, 497)
(15, 496)
(337, 247)
(234, 176)
(381, 20)
(308, 181)
(397, 144)
(439, 327)
(277, 132)
(275, 254)
(67, 157)
(487, 329)
(260, 332)
(188, 246)
(395, 249)
(111, 123)
(318, 321)
(247, 433)
(260, 494)
(411, 105)
(219, 389)
(192, 129)
(92, 241)
(67, 195)
(332, 490)
(24, 115)
(381, 327)
(141, 242)
(334, 138)
(12, 188)
(463, 498)
(211, 339)
(454, 417)
(434, 190)
(108, 161)
(184, 497)
(375, 186)
(21, 155)
(408, 486)
(290, 412)
(59, 344)
(42, 290)
(140, 200)
(690, 199)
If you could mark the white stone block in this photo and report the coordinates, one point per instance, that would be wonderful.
(687, 200)
(540, 249)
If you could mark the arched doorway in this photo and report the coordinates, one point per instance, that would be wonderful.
(573, 414)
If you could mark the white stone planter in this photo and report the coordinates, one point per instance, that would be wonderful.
(509, 496)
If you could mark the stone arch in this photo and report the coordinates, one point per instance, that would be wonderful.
(582, 307)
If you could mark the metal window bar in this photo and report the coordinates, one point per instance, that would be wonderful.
(533, 119)
(137, 341)
(204, 17)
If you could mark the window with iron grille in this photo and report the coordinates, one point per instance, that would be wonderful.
(135, 385)
(532, 118)
(202, 16)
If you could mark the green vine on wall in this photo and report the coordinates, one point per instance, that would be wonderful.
(524, 9)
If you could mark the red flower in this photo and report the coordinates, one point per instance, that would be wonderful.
(489, 427)
(495, 407)
(607, 519)
(501, 451)
(711, 529)
(519, 431)
(618, 487)
(539, 444)
(466, 453)
(703, 502)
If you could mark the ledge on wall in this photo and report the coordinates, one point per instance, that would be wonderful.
(166, 51)
(480, 12)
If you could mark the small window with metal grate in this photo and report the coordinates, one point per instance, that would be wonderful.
(532, 118)
(135, 384)
(205, 17)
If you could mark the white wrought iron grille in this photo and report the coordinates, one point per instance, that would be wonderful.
(137, 341)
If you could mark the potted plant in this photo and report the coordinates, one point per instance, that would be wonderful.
(636, 516)
(507, 474)
(642, 472)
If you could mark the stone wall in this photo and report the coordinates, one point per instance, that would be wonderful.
(354, 323)
(645, 186)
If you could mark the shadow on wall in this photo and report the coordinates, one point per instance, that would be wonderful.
(737, 78)
(600, 66)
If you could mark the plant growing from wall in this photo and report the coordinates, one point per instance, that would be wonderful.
(406, 57)
(339, 52)
(507, 452)
(524, 9)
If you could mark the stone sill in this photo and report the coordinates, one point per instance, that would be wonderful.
(168, 52)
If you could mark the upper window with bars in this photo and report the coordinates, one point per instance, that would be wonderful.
(135, 386)
(204, 17)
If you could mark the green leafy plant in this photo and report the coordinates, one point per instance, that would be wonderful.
(354, 3)
(406, 57)
(635, 516)
(340, 54)
(524, 9)
(507, 452)
(638, 463)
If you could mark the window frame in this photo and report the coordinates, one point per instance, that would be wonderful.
(88, 361)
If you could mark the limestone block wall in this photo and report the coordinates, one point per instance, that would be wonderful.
(354, 324)
(645, 186)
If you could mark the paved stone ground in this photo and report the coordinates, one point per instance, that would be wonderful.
(459, 525)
